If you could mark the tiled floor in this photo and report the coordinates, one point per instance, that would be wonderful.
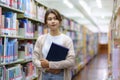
(95, 70)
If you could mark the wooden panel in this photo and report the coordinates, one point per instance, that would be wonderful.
(103, 48)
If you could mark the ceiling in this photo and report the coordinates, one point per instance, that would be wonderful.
(85, 12)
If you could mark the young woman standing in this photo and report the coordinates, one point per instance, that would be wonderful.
(53, 70)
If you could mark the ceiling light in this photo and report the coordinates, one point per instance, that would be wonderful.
(99, 3)
(68, 3)
(103, 17)
(85, 6)
(92, 28)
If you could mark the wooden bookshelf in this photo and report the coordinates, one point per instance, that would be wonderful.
(114, 43)
(11, 36)
(18, 37)
(21, 16)
(17, 62)
(103, 49)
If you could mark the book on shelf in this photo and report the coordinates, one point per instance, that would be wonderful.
(3, 23)
(25, 49)
(28, 71)
(41, 13)
(19, 4)
(0, 17)
(26, 28)
(1, 50)
(3, 1)
(11, 50)
(1, 73)
(0, 20)
(13, 73)
(40, 30)
(9, 23)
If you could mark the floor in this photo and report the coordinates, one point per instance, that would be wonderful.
(95, 70)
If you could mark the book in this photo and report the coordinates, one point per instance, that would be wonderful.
(1, 73)
(57, 52)
(13, 73)
(1, 50)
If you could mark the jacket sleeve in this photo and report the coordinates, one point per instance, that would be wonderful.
(68, 62)
(36, 54)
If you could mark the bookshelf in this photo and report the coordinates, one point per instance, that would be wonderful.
(90, 45)
(4, 6)
(75, 31)
(20, 25)
(114, 43)
(84, 51)
(16, 21)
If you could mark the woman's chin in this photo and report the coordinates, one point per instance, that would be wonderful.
(53, 28)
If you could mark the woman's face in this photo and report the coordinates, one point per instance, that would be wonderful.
(52, 22)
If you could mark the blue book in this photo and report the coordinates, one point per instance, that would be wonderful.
(57, 52)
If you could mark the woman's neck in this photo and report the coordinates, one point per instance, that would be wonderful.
(55, 32)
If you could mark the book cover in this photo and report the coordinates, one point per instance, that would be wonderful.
(1, 51)
(57, 52)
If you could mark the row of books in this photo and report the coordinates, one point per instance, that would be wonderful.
(30, 8)
(8, 52)
(114, 43)
(40, 13)
(1, 49)
(13, 3)
(9, 23)
(71, 34)
(95, 46)
(71, 25)
(11, 73)
(116, 27)
(25, 49)
(116, 63)
(13, 27)
(79, 50)
(76, 36)
(11, 50)
(28, 71)
(29, 29)
(92, 46)
(18, 72)
(34, 11)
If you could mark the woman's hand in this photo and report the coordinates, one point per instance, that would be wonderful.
(44, 63)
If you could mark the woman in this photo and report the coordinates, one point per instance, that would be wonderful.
(53, 70)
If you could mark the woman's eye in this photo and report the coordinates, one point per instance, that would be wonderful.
(49, 19)
(52, 19)
(55, 18)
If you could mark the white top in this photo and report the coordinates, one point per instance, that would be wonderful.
(48, 41)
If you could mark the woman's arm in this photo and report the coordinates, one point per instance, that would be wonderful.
(68, 62)
(36, 54)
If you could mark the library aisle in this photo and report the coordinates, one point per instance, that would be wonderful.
(95, 70)
(93, 29)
